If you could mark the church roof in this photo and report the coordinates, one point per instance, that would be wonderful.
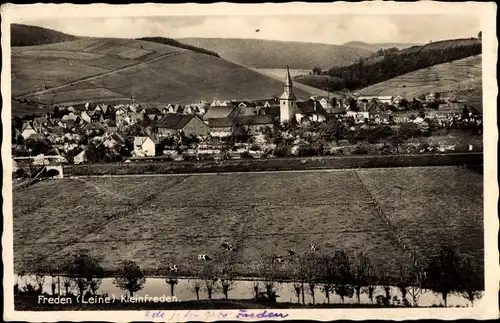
(288, 96)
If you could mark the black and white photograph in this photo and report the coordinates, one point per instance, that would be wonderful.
(246, 162)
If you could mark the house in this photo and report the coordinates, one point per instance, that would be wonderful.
(217, 112)
(27, 130)
(336, 111)
(85, 117)
(80, 158)
(219, 103)
(112, 140)
(309, 110)
(188, 124)
(150, 112)
(381, 98)
(36, 137)
(223, 127)
(144, 146)
(397, 100)
(93, 128)
(322, 100)
(111, 125)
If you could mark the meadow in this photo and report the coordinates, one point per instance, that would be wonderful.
(150, 219)
(456, 76)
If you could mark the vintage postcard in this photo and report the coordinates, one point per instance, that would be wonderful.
(211, 162)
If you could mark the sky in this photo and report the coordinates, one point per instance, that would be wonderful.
(329, 29)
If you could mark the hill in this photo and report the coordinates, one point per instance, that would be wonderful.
(377, 46)
(104, 69)
(24, 35)
(375, 69)
(277, 54)
(457, 76)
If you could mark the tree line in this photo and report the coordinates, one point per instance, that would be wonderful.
(342, 273)
(175, 43)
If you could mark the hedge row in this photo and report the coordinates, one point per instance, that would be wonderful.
(294, 163)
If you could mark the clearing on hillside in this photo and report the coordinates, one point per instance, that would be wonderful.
(457, 76)
(147, 219)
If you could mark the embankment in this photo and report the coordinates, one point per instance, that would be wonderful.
(274, 164)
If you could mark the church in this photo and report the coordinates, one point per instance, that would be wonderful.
(290, 107)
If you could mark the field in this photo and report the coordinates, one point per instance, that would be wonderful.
(272, 54)
(151, 72)
(456, 76)
(151, 218)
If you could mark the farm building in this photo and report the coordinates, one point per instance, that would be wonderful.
(144, 146)
(254, 124)
(27, 130)
(310, 110)
(188, 124)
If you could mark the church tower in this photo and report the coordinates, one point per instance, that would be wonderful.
(287, 100)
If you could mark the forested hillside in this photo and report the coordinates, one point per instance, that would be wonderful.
(393, 63)
(23, 35)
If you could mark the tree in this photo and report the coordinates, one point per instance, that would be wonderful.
(84, 271)
(360, 269)
(342, 273)
(480, 35)
(171, 273)
(311, 268)
(316, 71)
(327, 276)
(471, 282)
(209, 277)
(39, 269)
(130, 277)
(443, 273)
(415, 276)
(270, 272)
(225, 263)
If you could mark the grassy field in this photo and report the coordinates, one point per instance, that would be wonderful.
(77, 95)
(149, 219)
(151, 72)
(455, 76)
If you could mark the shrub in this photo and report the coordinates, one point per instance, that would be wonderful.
(246, 155)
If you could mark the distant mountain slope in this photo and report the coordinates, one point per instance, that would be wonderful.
(112, 70)
(366, 72)
(377, 46)
(24, 35)
(458, 76)
(277, 54)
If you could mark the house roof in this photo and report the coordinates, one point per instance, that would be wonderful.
(308, 107)
(217, 112)
(36, 136)
(337, 110)
(139, 141)
(174, 121)
(152, 110)
(243, 120)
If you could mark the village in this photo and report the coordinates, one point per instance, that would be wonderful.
(229, 129)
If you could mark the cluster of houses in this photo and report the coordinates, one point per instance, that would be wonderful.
(105, 124)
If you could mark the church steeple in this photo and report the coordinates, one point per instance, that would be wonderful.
(287, 99)
(288, 88)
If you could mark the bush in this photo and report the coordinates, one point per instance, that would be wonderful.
(360, 150)
(21, 173)
(246, 155)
